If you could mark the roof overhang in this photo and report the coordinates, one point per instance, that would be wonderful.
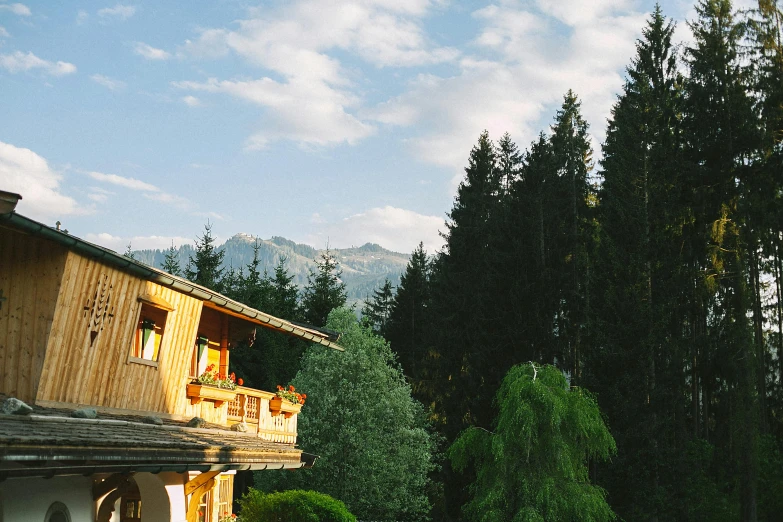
(45, 446)
(211, 298)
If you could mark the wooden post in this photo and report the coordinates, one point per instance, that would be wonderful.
(224, 345)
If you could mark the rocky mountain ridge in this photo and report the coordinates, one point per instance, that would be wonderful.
(364, 268)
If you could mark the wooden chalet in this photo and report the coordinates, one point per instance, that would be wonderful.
(83, 328)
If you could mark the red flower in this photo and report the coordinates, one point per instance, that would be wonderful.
(240, 381)
(291, 388)
(232, 376)
(279, 388)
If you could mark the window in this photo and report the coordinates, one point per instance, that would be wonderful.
(224, 501)
(203, 515)
(149, 333)
(198, 363)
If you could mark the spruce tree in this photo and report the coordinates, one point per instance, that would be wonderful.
(377, 308)
(637, 315)
(324, 291)
(722, 133)
(171, 261)
(409, 319)
(205, 268)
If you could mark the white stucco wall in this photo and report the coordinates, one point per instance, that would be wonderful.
(28, 500)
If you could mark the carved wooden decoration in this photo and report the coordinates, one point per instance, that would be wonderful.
(99, 309)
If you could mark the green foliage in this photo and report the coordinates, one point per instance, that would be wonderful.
(533, 467)
(292, 506)
(324, 291)
(373, 439)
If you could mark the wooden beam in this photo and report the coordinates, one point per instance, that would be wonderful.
(224, 344)
(108, 485)
(198, 480)
(192, 515)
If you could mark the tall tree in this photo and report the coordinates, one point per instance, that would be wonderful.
(639, 284)
(205, 267)
(324, 291)
(373, 438)
(408, 319)
(721, 129)
(377, 309)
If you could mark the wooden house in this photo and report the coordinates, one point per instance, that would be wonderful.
(83, 328)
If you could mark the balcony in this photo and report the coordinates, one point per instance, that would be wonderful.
(252, 407)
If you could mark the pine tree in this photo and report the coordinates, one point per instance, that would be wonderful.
(205, 268)
(722, 134)
(409, 319)
(129, 252)
(376, 309)
(171, 261)
(639, 347)
(324, 291)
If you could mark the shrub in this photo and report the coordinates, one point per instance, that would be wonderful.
(292, 506)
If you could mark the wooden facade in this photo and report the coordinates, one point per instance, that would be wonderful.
(82, 326)
(67, 328)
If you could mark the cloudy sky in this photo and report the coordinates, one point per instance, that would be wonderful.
(344, 121)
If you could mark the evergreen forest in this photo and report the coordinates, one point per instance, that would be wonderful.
(649, 273)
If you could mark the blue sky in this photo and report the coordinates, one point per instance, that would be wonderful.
(340, 121)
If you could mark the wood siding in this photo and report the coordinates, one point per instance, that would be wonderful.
(31, 270)
(87, 360)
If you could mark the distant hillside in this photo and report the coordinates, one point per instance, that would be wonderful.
(364, 268)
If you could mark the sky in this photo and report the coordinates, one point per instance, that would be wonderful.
(334, 123)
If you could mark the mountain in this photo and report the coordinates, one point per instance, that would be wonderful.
(364, 268)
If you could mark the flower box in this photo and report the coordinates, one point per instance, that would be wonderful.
(277, 406)
(199, 392)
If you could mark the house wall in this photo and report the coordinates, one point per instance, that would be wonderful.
(31, 270)
(87, 357)
(28, 499)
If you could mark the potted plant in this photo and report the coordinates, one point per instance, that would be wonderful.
(214, 386)
(287, 401)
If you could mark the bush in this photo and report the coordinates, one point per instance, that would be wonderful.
(292, 506)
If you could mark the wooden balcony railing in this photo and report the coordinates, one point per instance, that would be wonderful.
(252, 407)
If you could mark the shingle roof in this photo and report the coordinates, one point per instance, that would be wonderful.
(55, 444)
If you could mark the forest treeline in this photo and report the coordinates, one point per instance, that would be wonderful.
(651, 277)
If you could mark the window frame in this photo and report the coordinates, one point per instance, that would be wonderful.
(159, 307)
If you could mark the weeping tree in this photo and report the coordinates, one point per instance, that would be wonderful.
(534, 466)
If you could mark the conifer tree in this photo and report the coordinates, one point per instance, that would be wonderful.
(409, 319)
(324, 291)
(376, 309)
(205, 268)
(722, 134)
(639, 346)
(171, 261)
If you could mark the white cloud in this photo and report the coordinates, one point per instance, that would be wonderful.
(311, 98)
(17, 9)
(528, 60)
(306, 111)
(394, 228)
(149, 190)
(149, 52)
(4, 33)
(107, 82)
(20, 62)
(120, 243)
(121, 181)
(119, 11)
(26, 173)
(82, 16)
(192, 101)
